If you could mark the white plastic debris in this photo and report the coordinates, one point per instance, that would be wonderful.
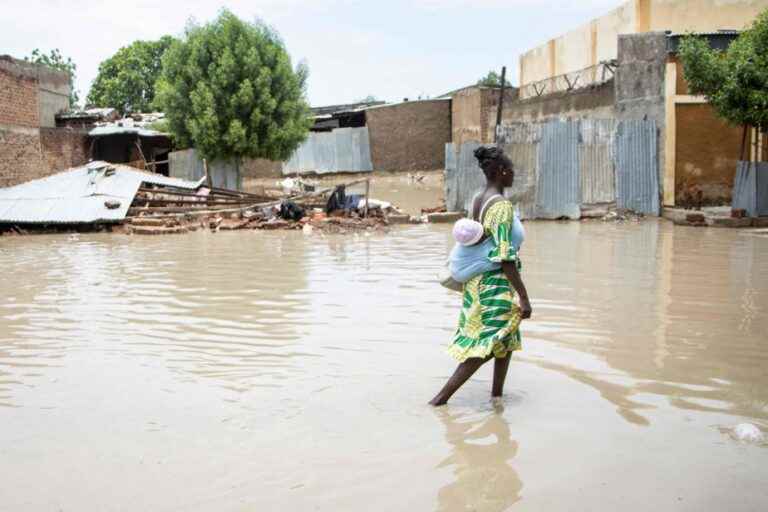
(288, 184)
(374, 204)
(748, 433)
(307, 229)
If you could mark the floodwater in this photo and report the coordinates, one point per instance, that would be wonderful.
(275, 371)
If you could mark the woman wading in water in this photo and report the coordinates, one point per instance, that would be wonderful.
(489, 323)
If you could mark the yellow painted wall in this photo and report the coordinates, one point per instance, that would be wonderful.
(704, 15)
(597, 40)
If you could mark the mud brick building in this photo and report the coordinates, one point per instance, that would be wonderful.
(474, 110)
(30, 144)
(409, 136)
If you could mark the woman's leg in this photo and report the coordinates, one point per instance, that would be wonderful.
(459, 377)
(500, 367)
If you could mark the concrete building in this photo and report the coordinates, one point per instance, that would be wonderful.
(624, 66)
(30, 144)
(582, 51)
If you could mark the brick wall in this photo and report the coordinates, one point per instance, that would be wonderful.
(18, 100)
(409, 136)
(707, 152)
(466, 107)
(28, 154)
(597, 102)
(19, 156)
(474, 112)
(62, 148)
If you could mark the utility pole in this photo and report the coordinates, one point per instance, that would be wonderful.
(501, 103)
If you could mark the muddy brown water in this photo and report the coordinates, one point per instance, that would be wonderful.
(274, 371)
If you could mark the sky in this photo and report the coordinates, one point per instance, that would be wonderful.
(391, 49)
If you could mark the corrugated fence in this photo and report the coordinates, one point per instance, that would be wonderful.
(750, 189)
(561, 166)
(637, 167)
(187, 165)
(341, 150)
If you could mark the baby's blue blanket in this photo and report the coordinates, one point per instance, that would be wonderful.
(465, 262)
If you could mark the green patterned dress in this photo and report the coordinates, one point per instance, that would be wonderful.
(490, 315)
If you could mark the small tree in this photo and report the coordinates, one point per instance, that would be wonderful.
(492, 79)
(55, 60)
(229, 90)
(126, 81)
(735, 82)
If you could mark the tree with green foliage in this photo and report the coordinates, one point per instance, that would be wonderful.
(734, 81)
(492, 79)
(56, 60)
(126, 80)
(228, 89)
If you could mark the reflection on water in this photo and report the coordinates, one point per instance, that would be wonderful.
(481, 456)
(271, 370)
(682, 312)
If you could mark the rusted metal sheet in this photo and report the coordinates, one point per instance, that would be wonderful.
(637, 166)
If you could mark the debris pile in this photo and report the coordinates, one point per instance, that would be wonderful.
(609, 213)
(116, 198)
(622, 215)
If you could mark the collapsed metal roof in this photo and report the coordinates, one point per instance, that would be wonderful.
(330, 110)
(96, 113)
(100, 131)
(97, 192)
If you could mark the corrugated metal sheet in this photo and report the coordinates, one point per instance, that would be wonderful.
(558, 194)
(342, 150)
(520, 142)
(79, 195)
(187, 165)
(562, 165)
(637, 169)
(450, 185)
(463, 180)
(750, 188)
(596, 169)
(101, 131)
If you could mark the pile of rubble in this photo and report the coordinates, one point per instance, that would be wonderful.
(261, 219)
(610, 213)
(109, 197)
(162, 210)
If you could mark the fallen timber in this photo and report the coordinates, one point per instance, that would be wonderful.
(159, 210)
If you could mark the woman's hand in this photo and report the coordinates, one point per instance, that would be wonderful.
(525, 308)
(510, 270)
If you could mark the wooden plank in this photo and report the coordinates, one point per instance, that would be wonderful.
(189, 202)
